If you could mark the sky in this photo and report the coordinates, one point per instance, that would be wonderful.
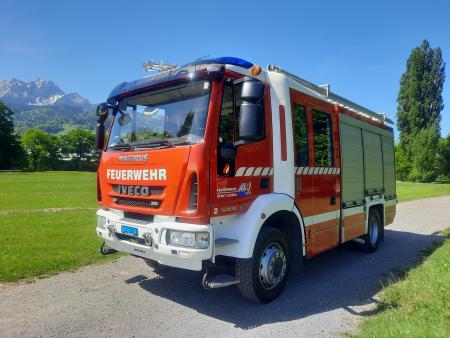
(360, 48)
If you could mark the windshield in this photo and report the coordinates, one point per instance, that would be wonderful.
(171, 116)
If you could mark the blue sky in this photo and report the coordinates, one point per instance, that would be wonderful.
(88, 47)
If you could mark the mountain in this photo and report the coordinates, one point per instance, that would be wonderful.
(42, 104)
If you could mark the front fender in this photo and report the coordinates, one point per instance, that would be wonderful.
(245, 227)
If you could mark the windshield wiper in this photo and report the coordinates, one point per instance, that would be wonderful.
(121, 146)
(155, 143)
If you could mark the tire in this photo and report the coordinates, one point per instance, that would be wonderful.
(374, 232)
(263, 277)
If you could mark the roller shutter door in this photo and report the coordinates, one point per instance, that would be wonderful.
(373, 162)
(352, 165)
(388, 165)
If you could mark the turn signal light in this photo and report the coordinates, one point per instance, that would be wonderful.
(256, 70)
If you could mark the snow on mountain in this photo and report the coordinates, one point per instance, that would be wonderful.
(39, 93)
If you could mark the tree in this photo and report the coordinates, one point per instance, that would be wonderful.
(43, 149)
(79, 146)
(402, 163)
(444, 157)
(420, 102)
(11, 152)
(424, 148)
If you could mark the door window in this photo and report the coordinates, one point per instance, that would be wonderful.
(301, 136)
(323, 145)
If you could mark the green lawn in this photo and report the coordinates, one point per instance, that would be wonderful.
(407, 191)
(418, 305)
(36, 241)
(57, 189)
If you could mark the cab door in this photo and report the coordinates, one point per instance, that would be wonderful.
(236, 183)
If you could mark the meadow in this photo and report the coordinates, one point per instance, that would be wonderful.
(47, 222)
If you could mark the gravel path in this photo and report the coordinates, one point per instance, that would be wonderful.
(126, 298)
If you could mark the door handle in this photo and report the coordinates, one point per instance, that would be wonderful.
(333, 200)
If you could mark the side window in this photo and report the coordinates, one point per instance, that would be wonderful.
(230, 114)
(301, 136)
(323, 145)
(226, 123)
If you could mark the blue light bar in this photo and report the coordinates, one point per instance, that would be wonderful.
(230, 60)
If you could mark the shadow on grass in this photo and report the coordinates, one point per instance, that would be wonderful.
(343, 278)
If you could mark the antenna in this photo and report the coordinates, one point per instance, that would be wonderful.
(160, 67)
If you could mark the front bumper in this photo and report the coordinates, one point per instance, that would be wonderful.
(158, 250)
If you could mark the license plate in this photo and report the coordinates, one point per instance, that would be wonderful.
(125, 229)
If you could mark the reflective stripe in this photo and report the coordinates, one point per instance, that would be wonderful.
(240, 171)
(319, 218)
(249, 171)
(317, 171)
(252, 171)
(257, 171)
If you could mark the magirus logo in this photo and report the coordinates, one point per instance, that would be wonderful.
(133, 158)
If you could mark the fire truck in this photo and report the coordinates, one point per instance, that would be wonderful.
(240, 172)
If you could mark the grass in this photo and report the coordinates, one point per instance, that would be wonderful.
(418, 305)
(408, 191)
(57, 189)
(36, 241)
(47, 221)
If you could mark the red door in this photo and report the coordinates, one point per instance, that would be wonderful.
(234, 187)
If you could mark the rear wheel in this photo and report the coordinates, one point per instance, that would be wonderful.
(373, 236)
(263, 277)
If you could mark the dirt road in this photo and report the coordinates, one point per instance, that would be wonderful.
(126, 298)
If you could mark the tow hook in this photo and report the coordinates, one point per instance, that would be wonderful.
(217, 281)
(105, 250)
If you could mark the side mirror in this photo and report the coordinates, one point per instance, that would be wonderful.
(252, 91)
(102, 112)
(100, 136)
(251, 121)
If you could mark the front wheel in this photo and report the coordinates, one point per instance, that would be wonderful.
(263, 277)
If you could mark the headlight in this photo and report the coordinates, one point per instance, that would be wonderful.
(202, 239)
(101, 222)
(199, 240)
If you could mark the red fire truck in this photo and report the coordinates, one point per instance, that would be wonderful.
(223, 167)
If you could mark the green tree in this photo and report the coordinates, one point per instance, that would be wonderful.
(444, 157)
(11, 152)
(420, 103)
(424, 148)
(42, 149)
(78, 145)
(402, 163)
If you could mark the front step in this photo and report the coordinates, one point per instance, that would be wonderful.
(218, 281)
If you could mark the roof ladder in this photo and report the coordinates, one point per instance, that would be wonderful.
(324, 90)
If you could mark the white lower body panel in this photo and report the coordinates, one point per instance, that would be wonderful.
(159, 250)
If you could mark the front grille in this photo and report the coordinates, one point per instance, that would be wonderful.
(135, 202)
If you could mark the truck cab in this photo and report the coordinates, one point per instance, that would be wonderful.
(200, 170)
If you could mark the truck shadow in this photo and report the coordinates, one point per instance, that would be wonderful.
(343, 278)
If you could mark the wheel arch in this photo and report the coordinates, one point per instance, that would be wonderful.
(291, 224)
(266, 210)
